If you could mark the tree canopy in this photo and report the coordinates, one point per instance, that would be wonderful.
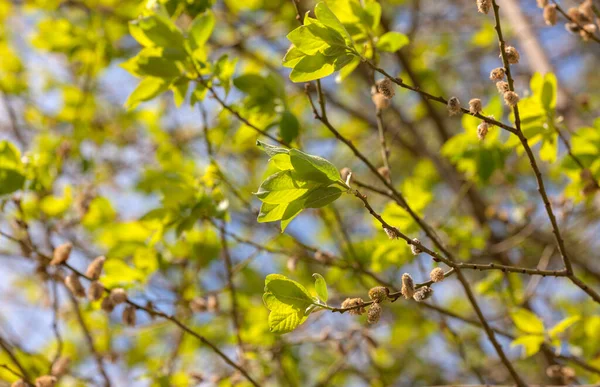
(299, 193)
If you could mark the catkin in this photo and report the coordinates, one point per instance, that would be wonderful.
(423, 293)
(453, 106)
(475, 106)
(386, 88)
(497, 74)
(19, 383)
(95, 268)
(550, 14)
(437, 274)
(354, 303)
(107, 304)
(484, 6)
(511, 98)
(374, 313)
(408, 286)
(95, 291)
(482, 130)
(512, 55)
(74, 285)
(502, 87)
(379, 293)
(129, 315)
(118, 296)
(61, 253)
(381, 102)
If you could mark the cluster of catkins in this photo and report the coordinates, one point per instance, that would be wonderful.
(379, 294)
(382, 93)
(581, 18)
(96, 290)
(59, 368)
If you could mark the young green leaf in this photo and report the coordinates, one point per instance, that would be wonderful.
(321, 287)
(392, 41)
(288, 126)
(283, 187)
(527, 322)
(201, 28)
(562, 326)
(322, 196)
(312, 67)
(147, 89)
(287, 301)
(531, 343)
(270, 149)
(313, 168)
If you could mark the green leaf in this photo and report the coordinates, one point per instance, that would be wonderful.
(293, 209)
(562, 326)
(527, 322)
(271, 212)
(392, 41)
(12, 175)
(282, 161)
(201, 28)
(292, 57)
(283, 187)
(147, 89)
(531, 343)
(322, 196)
(180, 90)
(316, 38)
(288, 126)
(312, 67)
(313, 168)
(287, 301)
(325, 16)
(270, 149)
(288, 291)
(156, 30)
(321, 287)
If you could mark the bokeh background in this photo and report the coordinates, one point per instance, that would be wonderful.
(97, 174)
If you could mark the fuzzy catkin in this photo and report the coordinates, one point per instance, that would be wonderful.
(129, 315)
(19, 383)
(512, 55)
(95, 268)
(497, 74)
(107, 304)
(354, 304)
(374, 313)
(95, 291)
(386, 88)
(511, 98)
(542, 3)
(550, 14)
(61, 253)
(212, 303)
(408, 286)
(482, 130)
(118, 296)
(379, 293)
(74, 285)
(502, 87)
(475, 106)
(423, 293)
(453, 106)
(437, 274)
(484, 6)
